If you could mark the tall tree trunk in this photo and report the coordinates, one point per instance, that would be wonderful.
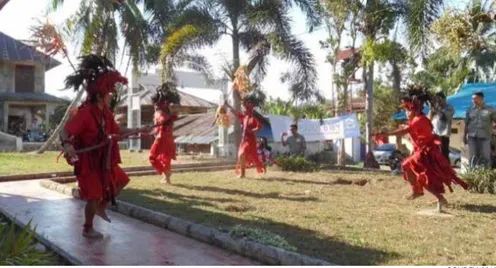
(370, 105)
(342, 142)
(236, 96)
(61, 125)
(396, 73)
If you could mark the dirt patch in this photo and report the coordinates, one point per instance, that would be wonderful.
(239, 208)
(359, 182)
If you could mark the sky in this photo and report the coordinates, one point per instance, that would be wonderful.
(18, 15)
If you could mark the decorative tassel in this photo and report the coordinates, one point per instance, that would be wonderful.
(241, 81)
(222, 118)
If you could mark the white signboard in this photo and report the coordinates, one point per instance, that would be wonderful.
(340, 127)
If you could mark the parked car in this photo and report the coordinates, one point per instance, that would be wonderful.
(383, 152)
(455, 157)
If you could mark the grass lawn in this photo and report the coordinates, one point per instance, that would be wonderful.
(26, 163)
(324, 216)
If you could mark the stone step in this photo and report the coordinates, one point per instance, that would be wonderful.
(51, 175)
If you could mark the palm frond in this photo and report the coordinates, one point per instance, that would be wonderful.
(418, 16)
(303, 75)
(310, 8)
(54, 5)
(193, 30)
(273, 16)
(134, 30)
(258, 47)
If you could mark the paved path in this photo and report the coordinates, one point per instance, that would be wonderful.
(59, 218)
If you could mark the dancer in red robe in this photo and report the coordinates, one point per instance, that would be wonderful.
(163, 150)
(90, 140)
(426, 167)
(247, 152)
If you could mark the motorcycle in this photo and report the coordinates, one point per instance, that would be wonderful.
(395, 161)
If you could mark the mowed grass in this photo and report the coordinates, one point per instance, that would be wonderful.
(28, 163)
(325, 216)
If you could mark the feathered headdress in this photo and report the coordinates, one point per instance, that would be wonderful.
(97, 73)
(255, 97)
(415, 96)
(166, 94)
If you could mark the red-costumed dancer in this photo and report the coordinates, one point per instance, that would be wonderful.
(426, 167)
(89, 140)
(163, 150)
(247, 152)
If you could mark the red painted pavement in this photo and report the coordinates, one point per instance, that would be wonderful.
(59, 218)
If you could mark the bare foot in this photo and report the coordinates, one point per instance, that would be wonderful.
(413, 196)
(91, 233)
(241, 177)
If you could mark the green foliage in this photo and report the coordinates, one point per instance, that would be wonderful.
(277, 107)
(481, 180)
(16, 247)
(57, 115)
(465, 31)
(296, 164)
(97, 25)
(307, 111)
(258, 27)
(262, 236)
(469, 40)
(383, 51)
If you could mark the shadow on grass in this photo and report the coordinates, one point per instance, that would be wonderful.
(479, 208)
(190, 199)
(273, 195)
(307, 241)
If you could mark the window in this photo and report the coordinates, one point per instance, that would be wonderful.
(386, 147)
(24, 78)
(454, 131)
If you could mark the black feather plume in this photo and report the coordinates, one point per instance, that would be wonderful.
(167, 92)
(89, 68)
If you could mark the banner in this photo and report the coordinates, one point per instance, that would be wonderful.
(340, 127)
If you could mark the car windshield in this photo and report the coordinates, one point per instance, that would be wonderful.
(454, 151)
(386, 147)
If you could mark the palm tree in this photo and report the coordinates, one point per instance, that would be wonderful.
(470, 41)
(96, 27)
(257, 27)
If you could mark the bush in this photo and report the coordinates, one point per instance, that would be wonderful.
(16, 248)
(323, 157)
(481, 180)
(262, 236)
(295, 164)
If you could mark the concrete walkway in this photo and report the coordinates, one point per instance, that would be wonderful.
(59, 218)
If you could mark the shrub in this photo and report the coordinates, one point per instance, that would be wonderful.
(262, 236)
(481, 180)
(16, 248)
(295, 164)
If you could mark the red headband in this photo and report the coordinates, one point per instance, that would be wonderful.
(411, 105)
(163, 104)
(105, 83)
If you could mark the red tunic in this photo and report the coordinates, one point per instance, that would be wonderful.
(163, 149)
(94, 179)
(248, 145)
(430, 167)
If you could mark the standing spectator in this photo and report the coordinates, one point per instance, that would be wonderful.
(478, 131)
(296, 142)
(441, 118)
